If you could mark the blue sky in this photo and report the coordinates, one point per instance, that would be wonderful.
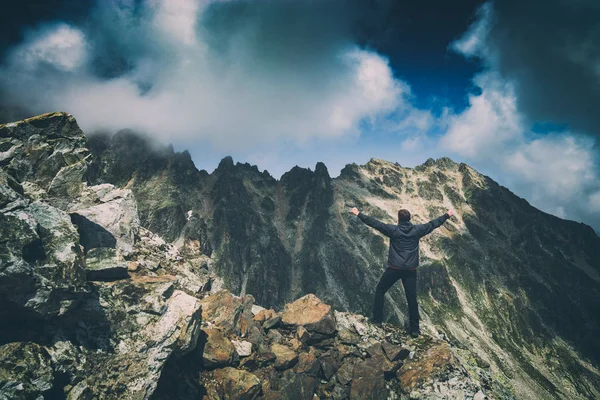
(508, 87)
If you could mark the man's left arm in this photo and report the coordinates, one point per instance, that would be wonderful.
(426, 229)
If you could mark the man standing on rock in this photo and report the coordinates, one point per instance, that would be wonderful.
(403, 259)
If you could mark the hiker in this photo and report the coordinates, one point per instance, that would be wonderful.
(403, 259)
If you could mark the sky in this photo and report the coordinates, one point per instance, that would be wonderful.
(510, 87)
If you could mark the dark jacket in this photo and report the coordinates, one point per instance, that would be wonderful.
(404, 239)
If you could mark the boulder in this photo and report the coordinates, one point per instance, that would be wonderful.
(264, 314)
(112, 223)
(258, 360)
(218, 350)
(311, 313)
(221, 309)
(242, 347)
(285, 357)
(348, 336)
(101, 264)
(376, 352)
(394, 352)
(330, 363)
(345, 372)
(160, 323)
(41, 263)
(308, 364)
(68, 183)
(302, 334)
(295, 386)
(25, 371)
(435, 360)
(47, 151)
(271, 322)
(10, 190)
(274, 336)
(245, 317)
(232, 384)
(368, 381)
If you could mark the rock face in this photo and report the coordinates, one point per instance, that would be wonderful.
(490, 278)
(94, 303)
(64, 336)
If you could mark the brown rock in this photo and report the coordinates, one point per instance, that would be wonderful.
(348, 337)
(221, 309)
(393, 352)
(295, 344)
(434, 361)
(274, 336)
(255, 336)
(245, 318)
(344, 373)
(294, 386)
(264, 315)
(218, 350)
(257, 360)
(133, 266)
(235, 384)
(302, 334)
(329, 364)
(308, 364)
(271, 322)
(285, 357)
(368, 381)
(375, 351)
(245, 321)
(311, 313)
(347, 351)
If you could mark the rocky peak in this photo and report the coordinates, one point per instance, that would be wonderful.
(226, 164)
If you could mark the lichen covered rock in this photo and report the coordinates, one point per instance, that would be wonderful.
(311, 313)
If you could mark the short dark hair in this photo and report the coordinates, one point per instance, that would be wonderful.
(403, 215)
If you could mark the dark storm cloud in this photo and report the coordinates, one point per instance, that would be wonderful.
(551, 51)
(231, 72)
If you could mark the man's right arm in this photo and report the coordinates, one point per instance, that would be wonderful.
(386, 229)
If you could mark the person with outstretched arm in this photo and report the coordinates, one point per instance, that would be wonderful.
(403, 259)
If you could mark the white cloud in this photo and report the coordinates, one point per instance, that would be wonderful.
(562, 166)
(178, 18)
(490, 122)
(557, 172)
(182, 86)
(594, 202)
(63, 47)
(473, 42)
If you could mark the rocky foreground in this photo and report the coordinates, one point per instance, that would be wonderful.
(92, 305)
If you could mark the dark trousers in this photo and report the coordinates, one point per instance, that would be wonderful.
(409, 281)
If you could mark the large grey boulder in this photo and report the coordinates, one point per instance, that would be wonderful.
(103, 264)
(48, 152)
(41, 263)
(107, 217)
(146, 322)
